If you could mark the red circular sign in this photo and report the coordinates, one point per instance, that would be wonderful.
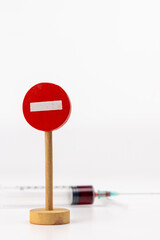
(46, 106)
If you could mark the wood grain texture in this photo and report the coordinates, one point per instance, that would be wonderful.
(56, 216)
(48, 171)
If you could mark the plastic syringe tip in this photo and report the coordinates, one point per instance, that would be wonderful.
(101, 194)
(114, 194)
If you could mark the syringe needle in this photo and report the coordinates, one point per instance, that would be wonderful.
(139, 193)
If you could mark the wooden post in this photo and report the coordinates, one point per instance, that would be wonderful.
(48, 171)
(49, 215)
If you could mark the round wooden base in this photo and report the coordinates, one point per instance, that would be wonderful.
(56, 216)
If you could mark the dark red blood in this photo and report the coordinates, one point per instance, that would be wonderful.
(46, 120)
(107, 194)
(86, 194)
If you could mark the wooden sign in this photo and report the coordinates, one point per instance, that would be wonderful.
(47, 107)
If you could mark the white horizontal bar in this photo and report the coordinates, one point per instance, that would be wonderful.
(45, 106)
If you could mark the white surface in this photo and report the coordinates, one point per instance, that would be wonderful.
(106, 56)
(121, 218)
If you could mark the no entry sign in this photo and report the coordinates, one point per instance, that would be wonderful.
(46, 106)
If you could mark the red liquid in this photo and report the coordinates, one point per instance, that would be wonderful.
(86, 194)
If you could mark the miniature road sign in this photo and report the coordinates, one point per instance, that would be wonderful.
(47, 107)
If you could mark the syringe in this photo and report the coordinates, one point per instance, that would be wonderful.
(62, 195)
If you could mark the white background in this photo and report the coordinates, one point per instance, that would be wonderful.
(106, 55)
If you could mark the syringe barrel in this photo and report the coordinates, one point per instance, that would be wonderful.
(32, 196)
(74, 195)
(62, 195)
